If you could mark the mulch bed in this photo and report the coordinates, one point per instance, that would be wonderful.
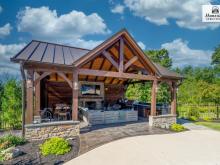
(32, 157)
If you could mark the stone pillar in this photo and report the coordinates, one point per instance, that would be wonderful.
(75, 95)
(29, 98)
(153, 98)
(173, 98)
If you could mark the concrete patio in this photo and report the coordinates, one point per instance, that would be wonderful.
(194, 147)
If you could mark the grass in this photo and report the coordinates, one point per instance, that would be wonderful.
(212, 125)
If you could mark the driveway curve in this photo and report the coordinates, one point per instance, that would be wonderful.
(195, 147)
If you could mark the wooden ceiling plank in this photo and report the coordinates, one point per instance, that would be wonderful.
(103, 60)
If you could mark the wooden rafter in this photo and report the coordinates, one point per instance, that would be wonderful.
(109, 57)
(112, 80)
(109, 70)
(135, 54)
(130, 62)
(90, 66)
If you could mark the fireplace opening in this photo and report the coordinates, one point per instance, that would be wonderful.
(90, 105)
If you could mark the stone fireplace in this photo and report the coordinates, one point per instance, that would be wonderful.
(92, 102)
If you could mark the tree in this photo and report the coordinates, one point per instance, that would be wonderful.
(142, 92)
(216, 56)
(11, 103)
(160, 56)
(1, 93)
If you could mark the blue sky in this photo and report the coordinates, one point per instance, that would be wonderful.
(154, 24)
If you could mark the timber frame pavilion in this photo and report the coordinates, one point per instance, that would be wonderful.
(117, 61)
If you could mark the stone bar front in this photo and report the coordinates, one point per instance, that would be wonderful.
(162, 121)
(65, 129)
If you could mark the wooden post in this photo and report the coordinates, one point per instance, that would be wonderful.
(173, 99)
(75, 95)
(121, 56)
(153, 98)
(23, 97)
(29, 98)
(37, 96)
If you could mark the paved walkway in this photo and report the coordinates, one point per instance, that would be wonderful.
(96, 136)
(196, 147)
(191, 126)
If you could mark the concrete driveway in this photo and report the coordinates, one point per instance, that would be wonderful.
(194, 147)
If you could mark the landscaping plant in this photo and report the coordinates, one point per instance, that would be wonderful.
(177, 127)
(193, 118)
(55, 146)
(8, 142)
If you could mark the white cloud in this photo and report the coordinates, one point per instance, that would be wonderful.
(6, 52)
(46, 24)
(88, 44)
(182, 55)
(187, 13)
(118, 9)
(142, 45)
(5, 30)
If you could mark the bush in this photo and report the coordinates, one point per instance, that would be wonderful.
(193, 118)
(207, 119)
(177, 127)
(55, 146)
(10, 140)
(193, 111)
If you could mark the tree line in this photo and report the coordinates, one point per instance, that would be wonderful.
(10, 103)
(201, 85)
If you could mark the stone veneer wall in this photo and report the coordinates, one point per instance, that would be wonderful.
(66, 129)
(162, 121)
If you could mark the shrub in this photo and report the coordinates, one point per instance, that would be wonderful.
(10, 140)
(177, 127)
(193, 118)
(207, 119)
(193, 111)
(55, 146)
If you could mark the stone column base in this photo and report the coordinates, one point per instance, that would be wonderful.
(162, 121)
(65, 129)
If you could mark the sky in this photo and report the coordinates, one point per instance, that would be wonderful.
(154, 24)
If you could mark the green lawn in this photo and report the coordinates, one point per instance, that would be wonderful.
(212, 125)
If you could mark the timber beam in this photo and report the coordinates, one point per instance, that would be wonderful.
(115, 74)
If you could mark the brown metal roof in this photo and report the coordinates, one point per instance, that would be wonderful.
(164, 72)
(45, 52)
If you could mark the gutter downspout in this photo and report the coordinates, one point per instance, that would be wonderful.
(23, 96)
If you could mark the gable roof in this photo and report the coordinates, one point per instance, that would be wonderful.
(112, 40)
(57, 54)
(45, 52)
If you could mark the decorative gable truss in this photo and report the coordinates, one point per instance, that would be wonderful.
(116, 59)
